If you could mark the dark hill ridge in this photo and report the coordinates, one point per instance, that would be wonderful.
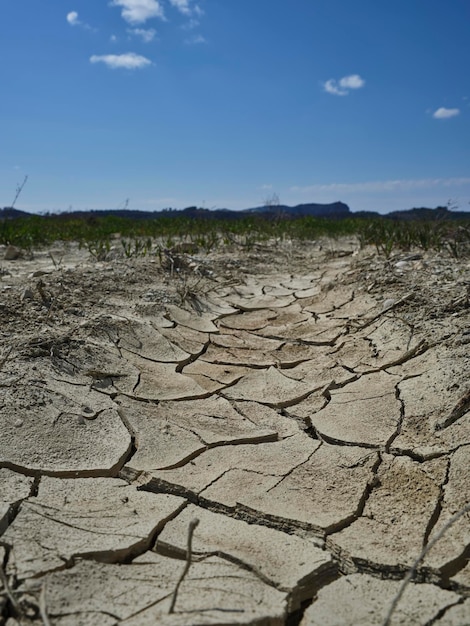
(335, 210)
(9, 212)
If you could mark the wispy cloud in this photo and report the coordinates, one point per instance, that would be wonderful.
(139, 11)
(129, 61)
(182, 6)
(195, 40)
(186, 8)
(146, 34)
(192, 23)
(443, 113)
(384, 185)
(343, 86)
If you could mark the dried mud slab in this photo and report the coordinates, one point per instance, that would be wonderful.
(321, 372)
(320, 494)
(450, 554)
(244, 340)
(159, 381)
(256, 303)
(292, 354)
(62, 433)
(214, 377)
(100, 518)
(329, 300)
(149, 343)
(191, 341)
(236, 356)
(265, 462)
(140, 594)
(365, 412)
(433, 424)
(201, 322)
(393, 527)
(269, 387)
(313, 331)
(265, 417)
(365, 601)
(172, 433)
(248, 321)
(287, 562)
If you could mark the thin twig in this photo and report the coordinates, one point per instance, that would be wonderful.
(462, 407)
(19, 189)
(412, 570)
(42, 606)
(387, 309)
(192, 526)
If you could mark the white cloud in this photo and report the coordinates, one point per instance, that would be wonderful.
(72, 18)
(352, 82)
(443, 113)
(331, 86)
(182, 6)
(129, 61)
(384, 185)
(147, 34)
(139, 11)
(343, 86)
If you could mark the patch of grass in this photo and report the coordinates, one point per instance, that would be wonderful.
(143, 237)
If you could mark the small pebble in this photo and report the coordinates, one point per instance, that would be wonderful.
(27, 294)
(12, 253)
(402, 265)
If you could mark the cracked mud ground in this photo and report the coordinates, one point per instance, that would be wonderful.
(308, 404)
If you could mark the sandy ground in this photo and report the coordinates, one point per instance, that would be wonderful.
(292, 417)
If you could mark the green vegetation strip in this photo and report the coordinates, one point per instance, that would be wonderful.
(138, 236)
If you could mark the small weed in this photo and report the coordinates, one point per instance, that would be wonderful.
(137, 247)
(98, 248)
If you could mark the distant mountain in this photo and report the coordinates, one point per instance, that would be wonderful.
(439, 213)
(9, 212)
(335, 209)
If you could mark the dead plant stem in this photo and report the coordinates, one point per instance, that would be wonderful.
(412, 570)
(192, 526)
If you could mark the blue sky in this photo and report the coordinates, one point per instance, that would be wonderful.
(224, 103)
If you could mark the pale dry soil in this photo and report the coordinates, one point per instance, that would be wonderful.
(307, 403)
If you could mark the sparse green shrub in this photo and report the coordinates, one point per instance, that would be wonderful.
(140, 237)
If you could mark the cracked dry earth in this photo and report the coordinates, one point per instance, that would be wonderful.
(308, 404)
